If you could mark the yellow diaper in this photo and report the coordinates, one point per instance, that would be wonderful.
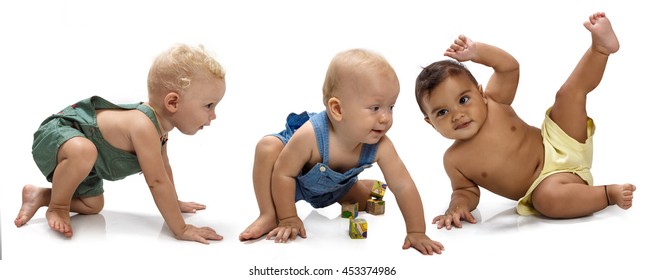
(561, 154)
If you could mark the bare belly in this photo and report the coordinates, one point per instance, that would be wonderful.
(509, 172)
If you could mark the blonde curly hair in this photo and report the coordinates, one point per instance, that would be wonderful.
(175, 69)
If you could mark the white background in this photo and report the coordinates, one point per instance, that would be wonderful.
(54, 53)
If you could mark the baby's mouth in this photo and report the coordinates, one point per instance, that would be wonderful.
(462, 125)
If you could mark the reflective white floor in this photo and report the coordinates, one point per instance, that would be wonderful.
(276, 54)
(502, 244)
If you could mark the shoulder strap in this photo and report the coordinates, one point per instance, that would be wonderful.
(368, 153)
(321, 128)
(150, 112)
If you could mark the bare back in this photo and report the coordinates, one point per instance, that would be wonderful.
(117, 125)
(504, 157)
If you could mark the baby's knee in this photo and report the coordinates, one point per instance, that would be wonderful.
(269, 145)
(548, 203)
(570, 95)
(366, 187)
(93, 205)
(361, 192)
(79, 148)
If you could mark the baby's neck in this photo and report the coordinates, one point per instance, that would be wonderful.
(162, 121)
(344, 143)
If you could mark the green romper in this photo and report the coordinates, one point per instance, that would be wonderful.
(79, 120)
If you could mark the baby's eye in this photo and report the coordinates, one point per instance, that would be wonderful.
(210, 106)
(392, 108)
(375, 108)
(463, 99)
(442, 112)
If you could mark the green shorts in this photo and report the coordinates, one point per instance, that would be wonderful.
(47, 140)
(79, 120)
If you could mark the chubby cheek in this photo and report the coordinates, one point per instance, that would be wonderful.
(444, 128)
(434, 123)
(199, 118)
(447, 132)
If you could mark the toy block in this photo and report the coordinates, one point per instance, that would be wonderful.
(378, 189)
(349, 210)
(358, 228)
(375, 207)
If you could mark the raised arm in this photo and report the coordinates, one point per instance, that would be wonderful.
(464, 198)
(407, 197)
(503, 83)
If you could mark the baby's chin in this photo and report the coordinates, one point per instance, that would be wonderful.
(372, 141)
(191, 132)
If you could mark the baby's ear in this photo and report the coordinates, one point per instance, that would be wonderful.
(171, 102)
(428, 121)
(334, 107)
(481, 91)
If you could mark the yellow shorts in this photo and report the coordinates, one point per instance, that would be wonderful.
(561, 154)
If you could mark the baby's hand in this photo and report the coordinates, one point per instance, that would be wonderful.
(190, 207)
(422, 243)
(453, 217)
(463, 49)
(288, 229)
(199, 234)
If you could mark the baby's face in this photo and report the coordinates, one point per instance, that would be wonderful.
(456, 108)
(367, 101)
(197, 106)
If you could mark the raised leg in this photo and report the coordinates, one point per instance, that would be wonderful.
(569, 110)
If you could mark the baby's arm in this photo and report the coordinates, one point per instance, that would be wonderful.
(464, 198)
(185, 207)
(407, 197)
(503, 83)
(148, 149)
(293, 157)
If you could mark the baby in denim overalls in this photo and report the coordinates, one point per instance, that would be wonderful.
(95, 140)
(318, 157)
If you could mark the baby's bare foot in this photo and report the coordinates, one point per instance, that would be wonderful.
(260, 227)
(603, 38)
(59, 220)
(32, 199)
(621, 195)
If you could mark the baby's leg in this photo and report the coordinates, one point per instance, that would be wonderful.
(266, 154)
(569, 110)
(76, 158)
(87, 205)
(565, 195)
(620, 195)
(34, 197)
(360, 192)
